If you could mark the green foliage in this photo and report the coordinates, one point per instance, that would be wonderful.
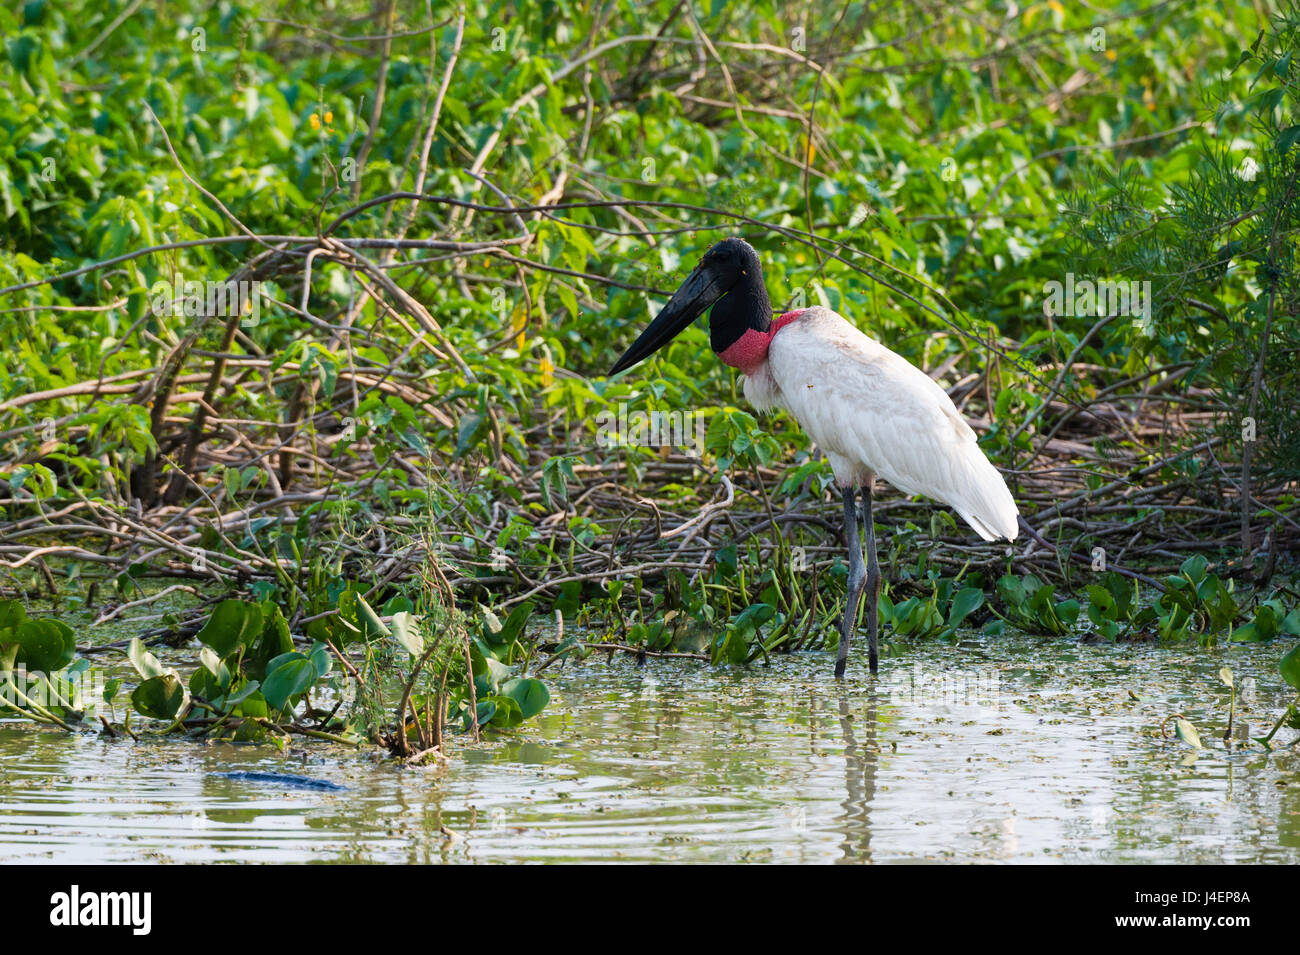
(251, 680)
(1195, 603)
(954, 185)
(84, 176)
(1290, 667)
(1113, 606)
(1216, 242)
(38, 675)
(1028, 603)
(938, 615)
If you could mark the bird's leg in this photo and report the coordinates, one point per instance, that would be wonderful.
(857, 579)
(873, 579)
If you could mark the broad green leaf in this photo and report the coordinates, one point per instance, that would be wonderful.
(44, 645)
(233, 625)
(964, 603)
(371, 624)
(1187, 733)
(1290, 667)
(145, 663)
(505, 712)
(531, 695)
(214, 665)
(287, 680)
(160, 697)
(274, 641)
(12, 613)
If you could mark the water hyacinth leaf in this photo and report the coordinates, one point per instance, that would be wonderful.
(246, 692)
(287, 679)
(1068, 611)
(204, 686)
(1187, 733)
(726, 558)
(531, 695)
(1194, 568)
(348, 612)
(1291, 623)
(145, 663)
(274, 641)
(1011, 590)
(964, 603)
(214, 665)
(160, 697)
(1268, 621)
(406, 631)
(505, 713)
(233, 626)
(491, 623)
(283, 658)
(1246, 633)
(44, 645)
(486, 709)
(341, 628)
(489, 672)
(371, 624)
(253, 704)
(735, 642)
(320, 658)
(515, 623)
(12, 613)
(1290, 667)
(397, 604)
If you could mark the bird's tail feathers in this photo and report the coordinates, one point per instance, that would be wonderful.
(984, 501)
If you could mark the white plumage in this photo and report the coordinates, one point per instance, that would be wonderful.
(873, 413)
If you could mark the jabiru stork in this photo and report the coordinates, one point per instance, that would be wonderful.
(872, 412)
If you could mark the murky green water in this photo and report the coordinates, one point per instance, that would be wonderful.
(1014, 751)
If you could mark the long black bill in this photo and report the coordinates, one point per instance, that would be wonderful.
(698, 292)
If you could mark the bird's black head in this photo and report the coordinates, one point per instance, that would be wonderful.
(730, 276)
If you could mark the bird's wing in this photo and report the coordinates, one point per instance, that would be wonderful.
(860, 401)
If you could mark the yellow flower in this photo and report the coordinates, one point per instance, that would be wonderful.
(519, 324)
(315, 121)
(329, 117)
(1110, 55)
